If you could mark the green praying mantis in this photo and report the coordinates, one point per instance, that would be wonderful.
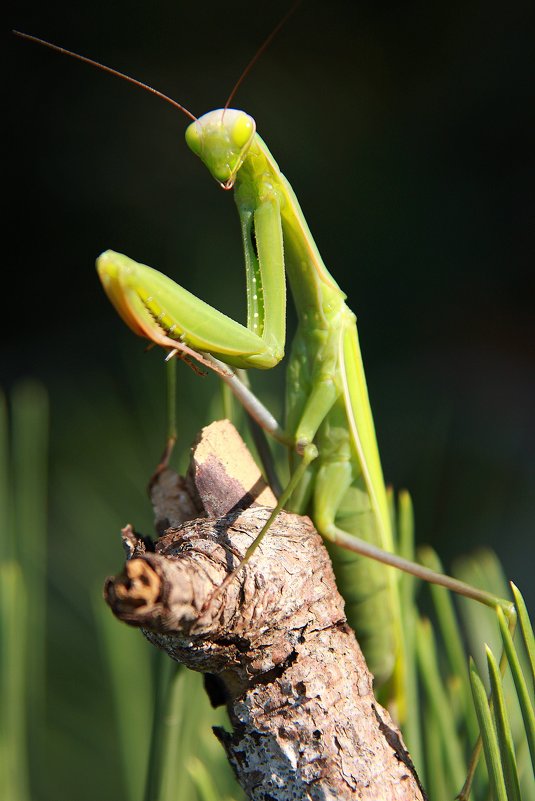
(336, 473)
(337, 476)
(329, 422)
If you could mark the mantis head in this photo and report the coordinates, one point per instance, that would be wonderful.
(222, 139)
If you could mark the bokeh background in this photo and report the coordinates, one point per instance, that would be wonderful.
(406, 130)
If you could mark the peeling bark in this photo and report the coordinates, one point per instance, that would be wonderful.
(275, 644)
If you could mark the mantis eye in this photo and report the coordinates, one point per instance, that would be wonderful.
(193, 138)
(242, 130)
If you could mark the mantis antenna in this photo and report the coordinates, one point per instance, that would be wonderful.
(128, 78)
(109, 70)
(263, 47)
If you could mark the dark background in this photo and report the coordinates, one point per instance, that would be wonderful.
(406, 130)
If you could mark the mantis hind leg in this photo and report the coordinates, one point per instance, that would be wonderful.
(170, 380)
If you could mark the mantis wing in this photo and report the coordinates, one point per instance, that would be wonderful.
(351, 509)
(378, 621)
(362, 431)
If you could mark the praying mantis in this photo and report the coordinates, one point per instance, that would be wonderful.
(336, 470)
(329, 423)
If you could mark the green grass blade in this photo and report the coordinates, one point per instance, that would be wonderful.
(175, 780)
(13, 685)
(162, 670)
(437, 698)
(170, 369)
(188, 737)
(525, 628)
(183, 735)
(29, 404)
(503, 729)
(488, 736)
(227, 401)
(23, 523)
(412, 730)
(405, 533)
(481, 569)
(129, 664)
(526, 704)
(6, 518)
(202, 781)
(436, 783)
(452, 637)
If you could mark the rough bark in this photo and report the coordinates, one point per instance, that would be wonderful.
(274, 645)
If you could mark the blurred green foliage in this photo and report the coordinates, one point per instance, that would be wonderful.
(80, 691)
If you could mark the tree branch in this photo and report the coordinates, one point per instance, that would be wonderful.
(275, 644)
